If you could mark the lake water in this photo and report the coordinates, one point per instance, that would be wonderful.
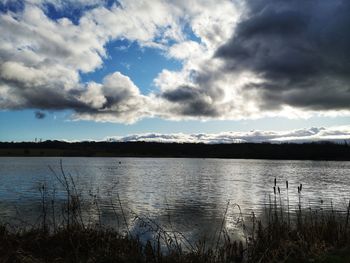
(190, 195)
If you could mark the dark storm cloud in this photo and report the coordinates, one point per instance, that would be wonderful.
(43, 97)
(183, 93)
(191, 101)
(40, 115)
(300, 48)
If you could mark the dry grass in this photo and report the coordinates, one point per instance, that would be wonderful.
(305, 235)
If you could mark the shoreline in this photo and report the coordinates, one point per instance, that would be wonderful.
(325, 151)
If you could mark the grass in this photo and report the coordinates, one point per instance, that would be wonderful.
(303, 235)
(285, 235)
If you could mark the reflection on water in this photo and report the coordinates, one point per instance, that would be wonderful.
(189, 195)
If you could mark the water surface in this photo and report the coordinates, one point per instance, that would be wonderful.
(190, 195)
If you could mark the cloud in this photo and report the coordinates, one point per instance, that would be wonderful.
(116, 99)
(282, 58)
(41, 59)
(298, 48)
(334, 134)
(40, 115)
(240, 60)
(191, 101)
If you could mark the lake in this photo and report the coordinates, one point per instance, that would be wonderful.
(190, 195)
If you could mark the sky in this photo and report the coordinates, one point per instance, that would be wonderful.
(195, 70)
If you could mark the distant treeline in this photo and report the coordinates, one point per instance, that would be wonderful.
(292, 151)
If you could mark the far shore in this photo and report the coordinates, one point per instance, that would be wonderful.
(280, 151)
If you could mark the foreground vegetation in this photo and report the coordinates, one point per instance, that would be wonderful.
(281, 234)
(324, 241)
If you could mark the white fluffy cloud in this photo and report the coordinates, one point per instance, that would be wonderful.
(335, 134)
(116, 99)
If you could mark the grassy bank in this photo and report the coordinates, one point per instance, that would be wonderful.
(281, 234)
(325, 241)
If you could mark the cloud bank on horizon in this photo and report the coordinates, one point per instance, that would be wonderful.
(249, 59)
(331, 134)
